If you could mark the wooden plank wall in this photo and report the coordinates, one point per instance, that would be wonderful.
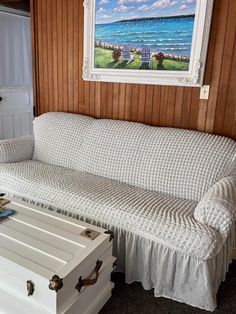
(58, 53)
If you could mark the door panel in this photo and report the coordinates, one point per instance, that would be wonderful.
(16, 112)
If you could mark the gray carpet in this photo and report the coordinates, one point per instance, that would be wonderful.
(134, 299)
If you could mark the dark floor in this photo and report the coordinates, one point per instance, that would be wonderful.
(134, 299)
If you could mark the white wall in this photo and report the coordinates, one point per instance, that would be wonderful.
(15, 50)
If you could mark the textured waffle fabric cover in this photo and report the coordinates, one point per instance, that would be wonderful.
(166, 219)
(218, 206)
(16, 149)
(59, 138)
(181, 163)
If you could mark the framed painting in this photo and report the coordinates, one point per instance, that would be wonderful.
(160, 42)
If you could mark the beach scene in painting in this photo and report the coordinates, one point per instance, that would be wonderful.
(144, 34)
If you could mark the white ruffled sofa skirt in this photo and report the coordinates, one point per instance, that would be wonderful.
(169, 272)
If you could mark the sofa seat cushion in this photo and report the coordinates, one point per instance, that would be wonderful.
(159, 217)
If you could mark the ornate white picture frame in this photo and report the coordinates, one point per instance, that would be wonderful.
(157, 46)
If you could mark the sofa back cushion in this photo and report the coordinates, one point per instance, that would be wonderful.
(181, 163)
(59, 138)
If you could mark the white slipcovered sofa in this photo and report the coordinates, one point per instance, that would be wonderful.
(168, 194)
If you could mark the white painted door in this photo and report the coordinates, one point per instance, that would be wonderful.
(16, 104)
(16, 111)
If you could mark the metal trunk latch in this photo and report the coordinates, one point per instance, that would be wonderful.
(56, 283)
(30, 287)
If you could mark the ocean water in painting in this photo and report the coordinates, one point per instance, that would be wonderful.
(168, 35)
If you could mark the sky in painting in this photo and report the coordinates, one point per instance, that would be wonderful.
(108, 11)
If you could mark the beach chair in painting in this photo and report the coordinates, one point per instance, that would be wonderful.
(127, 57)
(146, 57)
(126, 53)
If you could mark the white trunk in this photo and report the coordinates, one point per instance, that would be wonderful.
(35, 245)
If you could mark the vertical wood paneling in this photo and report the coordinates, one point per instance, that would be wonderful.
(109, 103)
(103, 99)
(149, 104)
(178, 107)
(59, 52)
(156, 105)
(186, 108)
(128, 101)
(91, 99)
(141, 102)
(231, 131)
(49, 57)
(115, 96)
(194, 109)
(224, 99)
(135, 102)
(58, 59)
(122, 97)
(217, 70)
(97, 100)
(163, 106)
(170, 106)
(55, 67)
(71, 53)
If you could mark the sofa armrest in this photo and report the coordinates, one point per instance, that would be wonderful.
(16, 149)
(217, 208)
